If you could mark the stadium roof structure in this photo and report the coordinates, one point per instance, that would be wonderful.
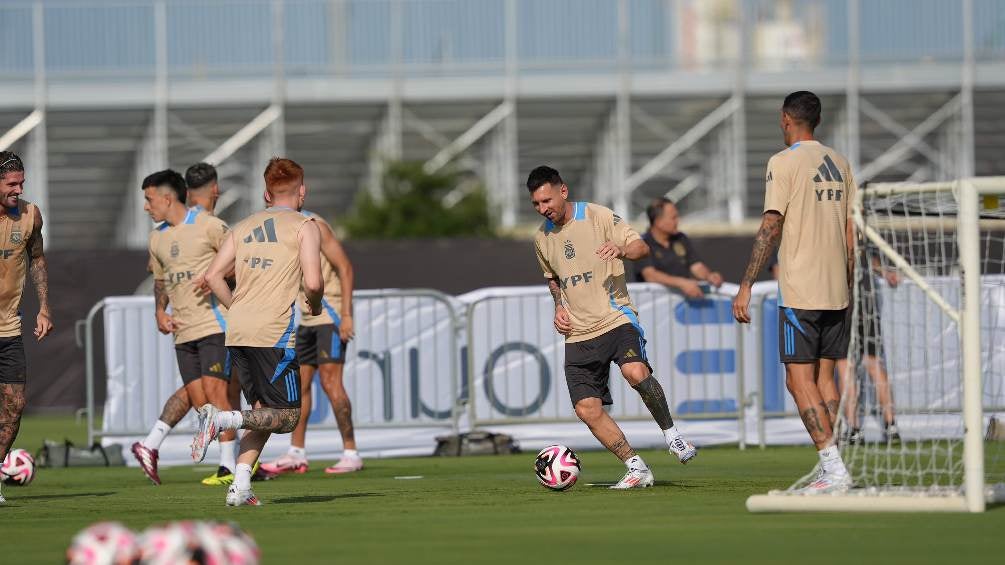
(629, 99)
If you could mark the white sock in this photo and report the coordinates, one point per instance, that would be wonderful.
(242, 477)
(156, 436)
(831, 462)
(636, 462)
(671, 434)
(297, 453)
(350, 453)
(229, 420)
(227, 457)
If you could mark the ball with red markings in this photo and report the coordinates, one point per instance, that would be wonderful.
(557, 467)
(18, 468)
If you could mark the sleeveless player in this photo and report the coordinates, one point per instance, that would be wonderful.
(20, 254)
(274, 251)
(181, 248)
(580, 248)
(321, 345)
(808, 187)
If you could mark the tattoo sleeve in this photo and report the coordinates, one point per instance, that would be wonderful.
(40, 278)
(276, 420)
(160, 295)
(556, 291)
(764, 244)
(175, 408)
(12, 402)
(622, 449)
(655, 399)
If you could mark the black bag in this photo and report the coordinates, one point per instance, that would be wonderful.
(57, 454)
(475, 443)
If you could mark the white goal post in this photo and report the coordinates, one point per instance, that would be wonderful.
(912, 427)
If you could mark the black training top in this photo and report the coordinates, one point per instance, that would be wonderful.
(675, 259)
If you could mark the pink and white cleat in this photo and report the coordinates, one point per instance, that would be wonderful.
(286, 464)
(147, 459)
(347, 464)
(237, 497)
(206, 433)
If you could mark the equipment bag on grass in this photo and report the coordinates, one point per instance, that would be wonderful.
(64, 454)
(476, 443)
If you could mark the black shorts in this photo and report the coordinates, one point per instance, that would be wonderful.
(203, 357)
(868, 327)
(588, 363)
(805, 336)
(12, 366)
(317, 345)
(270, 375)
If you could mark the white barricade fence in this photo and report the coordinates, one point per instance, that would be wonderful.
(516, 358)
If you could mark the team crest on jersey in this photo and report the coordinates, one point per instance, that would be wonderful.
(679, 249)
(617, 219)
(570, 251)
(16, 238)
(174, 249)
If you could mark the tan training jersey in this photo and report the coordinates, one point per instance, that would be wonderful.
(594, 291)
(16, 226)
(811, 185)
(269, 277)
(332, 301)
(178, 255)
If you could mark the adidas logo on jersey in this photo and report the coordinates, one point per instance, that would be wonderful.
(630, 353)
(216, 368)
(828, 171)
(263, 233)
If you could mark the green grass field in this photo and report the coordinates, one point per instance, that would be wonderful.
(491, 510)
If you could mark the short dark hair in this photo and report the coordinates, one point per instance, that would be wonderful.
(803, 106)
(200, 175)
(10, 163)
(169, 178)
(655, 208)
(543, 175)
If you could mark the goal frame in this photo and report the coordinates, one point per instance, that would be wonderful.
(974, 496)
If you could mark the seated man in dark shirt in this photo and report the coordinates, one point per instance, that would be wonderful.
(672, 261)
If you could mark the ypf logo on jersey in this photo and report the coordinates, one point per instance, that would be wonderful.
(174, 250)
(570, 251)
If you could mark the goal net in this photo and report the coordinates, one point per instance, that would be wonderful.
(921, 425)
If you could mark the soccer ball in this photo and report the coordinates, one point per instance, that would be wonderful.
(226, 543)
(208, 543)
(104, 543)
(557, 467)
(18, 468)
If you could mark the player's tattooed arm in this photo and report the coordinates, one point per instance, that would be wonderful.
(160, 295)
(39, 271)
(275, 420)
(555, 288)
(765, 242)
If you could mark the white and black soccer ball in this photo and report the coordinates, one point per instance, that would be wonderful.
(226, 544)
(18, 468)
(557, 467)
(104, 543)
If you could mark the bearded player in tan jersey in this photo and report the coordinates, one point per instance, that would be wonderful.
(321, 346)
(272, 254)
(20, 254)
(180, 249)
(580, 249)
(807, 190)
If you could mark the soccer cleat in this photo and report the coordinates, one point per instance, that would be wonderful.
(827, 483)
(347, 464)
(635, 478)
(206, 433)
(147, 459)
(684, 450)
(236, 497)
(286, 464)
(259, 474)
(856, 437)
(221, 478)
(891, 434)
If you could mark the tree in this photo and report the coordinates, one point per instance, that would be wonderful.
(417, 204)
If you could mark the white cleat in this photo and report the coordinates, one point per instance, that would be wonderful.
(684, 450)
(635, 478)
(2, 500)
(206, 433)
(237, 497)
(828, 483)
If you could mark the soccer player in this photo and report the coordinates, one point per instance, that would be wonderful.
(181, 248)
(21, 254)
(321, 345)
(274, 251)
(580, 248)
(808, 187)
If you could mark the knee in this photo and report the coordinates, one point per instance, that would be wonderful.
(589, 409)
(634, 373)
